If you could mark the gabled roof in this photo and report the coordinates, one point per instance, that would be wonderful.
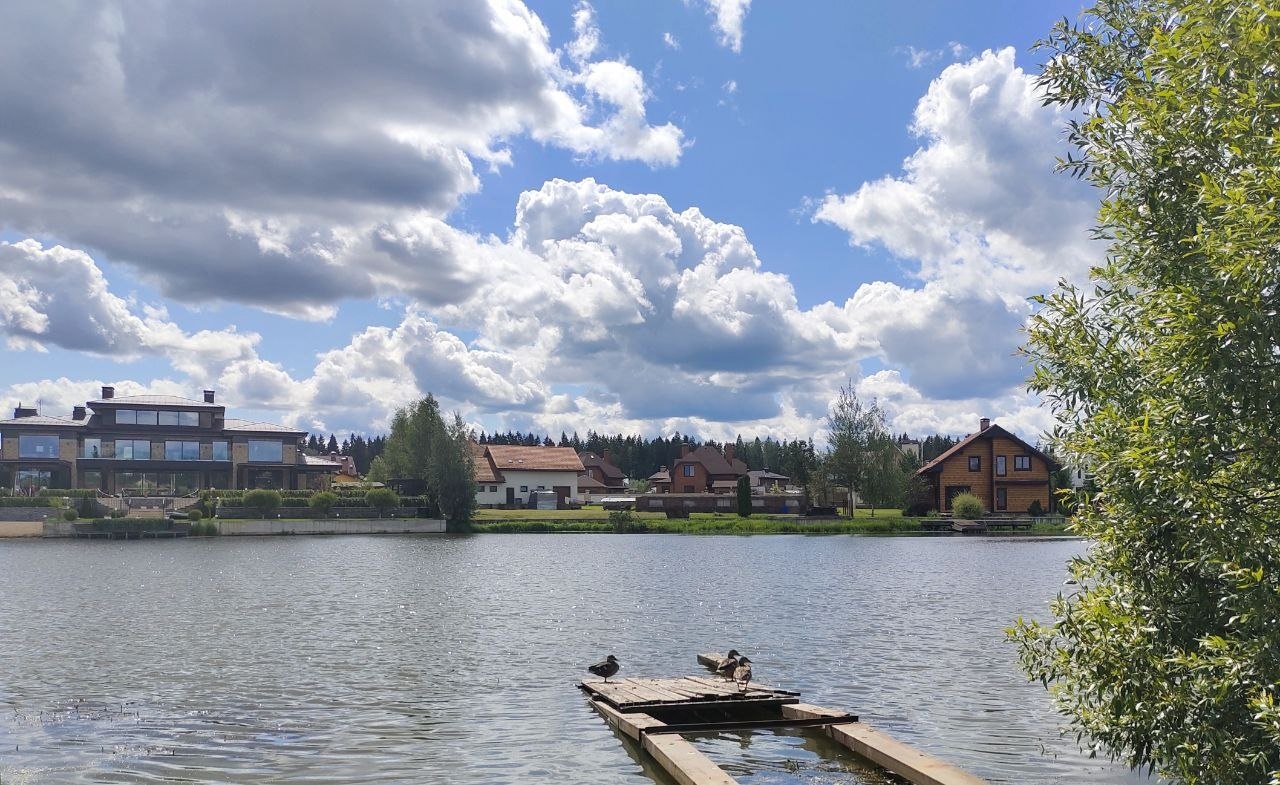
(510, 457)
(232, 424)
(712, 461)
(483, 470)
(313, 460)
(154, 400)
(588, 483)
(992, 430)
(41, 419)
(608, 469)
(765, 474)
(661, 475)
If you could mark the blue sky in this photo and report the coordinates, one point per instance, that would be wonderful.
(640, 217)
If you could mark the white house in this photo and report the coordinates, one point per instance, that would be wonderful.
(508, 474)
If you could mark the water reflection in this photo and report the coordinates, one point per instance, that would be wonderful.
(452, 659)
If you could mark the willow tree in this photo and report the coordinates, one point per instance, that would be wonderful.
(1164, 376)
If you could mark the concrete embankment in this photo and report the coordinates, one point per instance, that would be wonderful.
(60, 528)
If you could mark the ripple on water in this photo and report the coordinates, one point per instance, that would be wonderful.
(453, 660)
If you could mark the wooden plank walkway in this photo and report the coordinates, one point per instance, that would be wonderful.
(702, 692)
(683, 704)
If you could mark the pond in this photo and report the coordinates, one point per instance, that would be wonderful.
(453, 659)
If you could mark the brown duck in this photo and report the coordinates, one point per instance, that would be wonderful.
(606, 667)
(742, 673)
(727, 665)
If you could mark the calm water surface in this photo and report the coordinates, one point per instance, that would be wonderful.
(454, 659)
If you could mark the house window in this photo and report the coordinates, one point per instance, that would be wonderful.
(1002, 498)
(133, 449)
(31, 445)
(261, 451)
(688, 470)
(126, 417)
(975, 463)
(1000, 466)
(189, 419)
(221, 451)
(181, 451)
(688, 489)
(1022, 463)
(167, 418)
(92, 448)
(524, 488)
(147, 418)
(493, 489)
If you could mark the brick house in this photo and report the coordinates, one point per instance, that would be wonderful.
(1003, 471)
(602, 470)
(705, 470)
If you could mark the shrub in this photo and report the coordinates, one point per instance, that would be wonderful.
(26, 501)
(382, 499)
(744, 496)
(116, 514)
(966, 505)
(1035, 509)
(323, 502)
(625, 522)
(263, 501)
(70, 514)
(194, 514)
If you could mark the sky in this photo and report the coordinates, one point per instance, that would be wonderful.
(701, 217)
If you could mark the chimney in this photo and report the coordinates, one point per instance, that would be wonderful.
(728, 452)
(208, 396)
(77, 412)
(608, 456)
(24, 411)
(685, 449)
(984, 424)
(108, 393)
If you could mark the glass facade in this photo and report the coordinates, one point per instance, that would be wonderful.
(133, 449)
(266, 451)
(181, 451)
(91, 448)
(32, 445)
(32, 480)
(148, 417)
(221, 451)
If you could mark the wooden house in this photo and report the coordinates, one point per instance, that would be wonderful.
(1002, 470)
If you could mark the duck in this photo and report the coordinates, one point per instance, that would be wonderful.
(606, 668)
(742, 673)
(727, 664)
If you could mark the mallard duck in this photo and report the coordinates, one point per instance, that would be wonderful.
(742, 673)
(605, 668)
(727, 664)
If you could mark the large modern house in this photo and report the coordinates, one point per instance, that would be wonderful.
(153, 445)
(1005, 472)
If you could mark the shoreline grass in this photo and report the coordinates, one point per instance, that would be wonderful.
(693, 525)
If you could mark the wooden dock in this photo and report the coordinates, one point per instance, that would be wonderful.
(658, 712)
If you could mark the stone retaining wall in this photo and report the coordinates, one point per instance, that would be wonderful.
(332, 526)
(29, 513)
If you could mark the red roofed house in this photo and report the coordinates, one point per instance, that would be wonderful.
(508, 474)
(1005, 472)
(606, 477)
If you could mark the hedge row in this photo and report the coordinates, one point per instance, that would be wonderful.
(26, 501)
(70, 493)
(132, 525)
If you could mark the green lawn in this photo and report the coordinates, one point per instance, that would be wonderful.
(596, 513)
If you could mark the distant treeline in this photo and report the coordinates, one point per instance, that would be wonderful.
(637, 456)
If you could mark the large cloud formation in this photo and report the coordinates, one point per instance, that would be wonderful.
(187, 141)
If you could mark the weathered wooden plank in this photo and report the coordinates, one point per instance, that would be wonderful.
(907, 762)
(684, 762)
(633, 724)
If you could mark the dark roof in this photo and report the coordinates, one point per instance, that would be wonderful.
(661, 475)
(588, 483)
(992, 430)
(608, 469)
(765, 474)
(41, 419)
(153, 400)
(713, 461)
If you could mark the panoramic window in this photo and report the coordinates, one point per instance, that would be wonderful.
(221, 451)
(181, 451)
(133, 449)
(1022, 463)
(147, 418)
(126, 417)
(167, 418)
(31, 445)
(189, 419)
(92, 448)
(1000, 465)
(975, 463)
(266, 451)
